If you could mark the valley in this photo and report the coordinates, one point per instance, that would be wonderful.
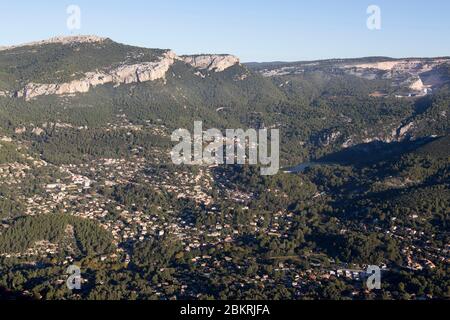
(86, 176)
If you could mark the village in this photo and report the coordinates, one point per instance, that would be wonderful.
(86, 191)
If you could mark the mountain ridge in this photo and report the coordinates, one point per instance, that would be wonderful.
(336, 107)
(131, 65)
(104, 61)
(58, 39)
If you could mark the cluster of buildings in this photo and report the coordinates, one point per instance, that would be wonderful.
(81, 190)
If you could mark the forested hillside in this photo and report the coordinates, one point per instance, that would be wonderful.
(86, 176)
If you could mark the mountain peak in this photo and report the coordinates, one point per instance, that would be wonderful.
(78, 69)
(60, 40)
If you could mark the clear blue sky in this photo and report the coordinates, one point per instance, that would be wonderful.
(255, 30)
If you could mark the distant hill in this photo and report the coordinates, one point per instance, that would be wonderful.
(410, 76)
(321, 107)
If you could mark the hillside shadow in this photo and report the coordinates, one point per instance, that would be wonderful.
(374, 152)
(12, 296)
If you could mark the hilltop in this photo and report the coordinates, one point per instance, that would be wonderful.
(70, 65)
(407, 77)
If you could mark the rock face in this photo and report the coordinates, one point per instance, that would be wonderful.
(126, 71)
(59, 40)
(20, 130)
(417, 85)
(37, 131)
(143, 72)
(126, 74)
(417, 76)
(402, 131)
(217, 63)
(413, 66)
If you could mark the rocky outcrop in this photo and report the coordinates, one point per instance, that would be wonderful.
(6, 139)
(385, 65)
(417, 85)
(20, 130)
(130, 70)
(217, 63)
(59, 40)
(327, 137)
(413, 66)
(148, 71)
(419, 75)
(125, 74)
(37, 131)
(412, 76)
(404, 130)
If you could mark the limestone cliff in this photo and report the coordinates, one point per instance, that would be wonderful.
(418, 75)
(128, 65)
(125, 74)
(410, 76)
(217, 63)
